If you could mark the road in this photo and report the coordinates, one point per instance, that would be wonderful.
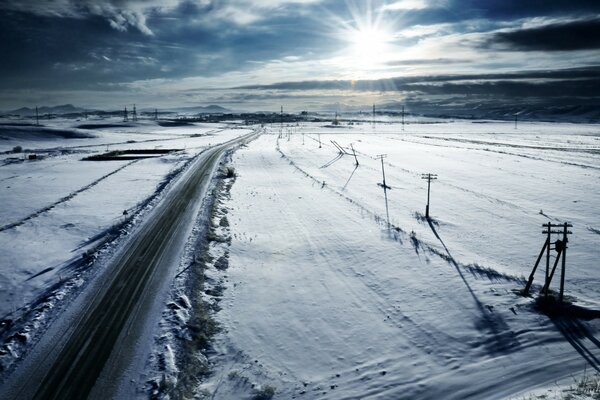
(97, 337)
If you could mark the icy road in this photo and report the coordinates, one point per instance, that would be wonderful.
(84, 354)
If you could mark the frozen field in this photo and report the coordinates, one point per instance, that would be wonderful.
(325, 299)
(329, 288)
(57, 207)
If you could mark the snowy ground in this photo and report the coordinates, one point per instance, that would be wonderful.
(57, 207)
(325, 299)
(331, 290)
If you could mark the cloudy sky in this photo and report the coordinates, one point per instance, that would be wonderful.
(304, 54)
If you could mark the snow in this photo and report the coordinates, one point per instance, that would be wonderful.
(61, 206)
(324, 299)
(332, 291)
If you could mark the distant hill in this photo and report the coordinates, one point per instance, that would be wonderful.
(525, 111)
(62, 109)
(211, 109)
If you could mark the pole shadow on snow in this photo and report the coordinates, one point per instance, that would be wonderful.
(501, 338)
(568, 320)
(579, 336)
(333, 160)
(387, 210)
(349, 178)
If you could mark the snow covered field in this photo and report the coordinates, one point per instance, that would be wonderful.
(57, 207)
(325, 299)
(334, 289)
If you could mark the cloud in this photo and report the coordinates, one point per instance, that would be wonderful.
(121, 15)
(562, 36)
(584, 82)
(426, 61)
(407, 5)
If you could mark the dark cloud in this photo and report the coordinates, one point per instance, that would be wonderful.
(567, 36)
(571, 79)
(506, 9)
(73, 49)
(433, 61)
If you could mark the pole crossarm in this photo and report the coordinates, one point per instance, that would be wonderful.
(560, 246)
(429, 178)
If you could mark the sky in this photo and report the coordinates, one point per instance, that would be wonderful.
(303, 54)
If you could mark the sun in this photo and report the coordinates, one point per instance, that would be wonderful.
(369, 43)
(368, 37)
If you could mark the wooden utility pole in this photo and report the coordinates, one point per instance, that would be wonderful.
(383, 185)
(373, 114)
(402, 117)
(354, 154)
(429, 178)
(564, 259)
(560, 246)
(319, 140)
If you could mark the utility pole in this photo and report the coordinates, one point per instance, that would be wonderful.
(354, 153)
(37, 117)
(429, 178)
(319, 140)
(560, 246)
(125, 116)
(564, 259)
(381, 157)
(516, 116)
(373, 114)
(134, 114)
(402, 117)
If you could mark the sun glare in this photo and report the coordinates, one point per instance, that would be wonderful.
(369, 40)
(369, 43)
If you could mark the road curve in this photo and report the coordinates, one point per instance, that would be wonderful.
(69, 365)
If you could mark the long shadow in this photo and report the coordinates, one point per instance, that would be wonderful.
(502, 339)
(568, 320)
(387, 210)
(337, 157)
(351, 175)
(576, 333)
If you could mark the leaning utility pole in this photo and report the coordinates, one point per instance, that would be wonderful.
(354, 154)
(429, 178)
(383, 185)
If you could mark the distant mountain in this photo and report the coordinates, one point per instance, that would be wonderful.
(62, 109)
(525, 110)
(211, 109)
